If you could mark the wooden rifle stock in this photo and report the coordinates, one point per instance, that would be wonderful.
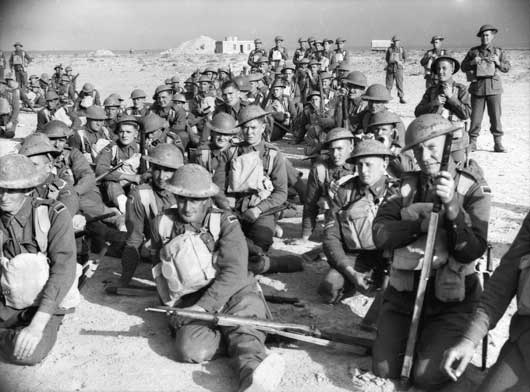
(425, 273)
(114, 168)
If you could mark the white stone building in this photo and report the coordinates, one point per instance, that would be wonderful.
(231, 45)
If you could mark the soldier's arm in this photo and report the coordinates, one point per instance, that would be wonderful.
(69, 198)
(504, 62)
(97, 99)
(313, 194)
(466, 63)
(387, 56)
(232, 263)
(84, 177)
(62, 255)
(104, 163)
(332, 244)
(15, 106)
(460, 103)
(501, 287)
(279, 182)
(404, 54)
(41, 120)
(425, 59)
(468, 232)
(389, 231)
(425, 105)
(74, 141)
(285, 55)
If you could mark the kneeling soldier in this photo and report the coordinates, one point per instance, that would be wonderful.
(202, 266)
(401, 225)
(36, 235)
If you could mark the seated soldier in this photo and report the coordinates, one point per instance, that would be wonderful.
(154, 129)
(112, 106)
(511, 280)
(139, 108)
(325, 176)
(355, 262)
(93, 136)
(255, 96)
(163, 107)
(313, 124)
(180, 128)
(400, 226)
(351, 105)
(255, 180)
(53, 111)
(383, 127)
(7, 128)
(87, 97)
(147, 201)
(451, 100)
(282, 110)
(124, 151)
(37, 237)
(202, 106)
(292, 89)
(201, 265)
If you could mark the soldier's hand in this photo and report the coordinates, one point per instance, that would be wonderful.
(79, 222)
(178, 321)
(445, 187)
(447, 91)
(496, 59)
(251, 214)
(459, 356)
(441, 100)
(26, 341)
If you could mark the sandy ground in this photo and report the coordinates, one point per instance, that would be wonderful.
(111, 344)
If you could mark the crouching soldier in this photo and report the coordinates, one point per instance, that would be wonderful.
(202, 266)
(146, 202)
(511, 279)
(401, 226)
(125, 149)
(354, 260)
(36, 237)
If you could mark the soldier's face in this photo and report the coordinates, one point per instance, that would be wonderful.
(59, 143)
(370, 169)
(437, 44)
(375, 107)
(192, 210)
(264, 67)
(164, 99)
(254, 86)
(221, 141)
(138, 103)
(95, 125)
(326, 45)
(161, 174)
(231, 96)
(315, 101)
(340, 150)
(288, 73)
(429, 155)
(11, 200)
(326, 83)
(354, 91)
(127, 134)
(340, 45)
(253, 131)
(204, 87)
(314, 68)
(42, 163)
(487, 37)
(277, 92)
(52, 104)
(258, 45)
(444, 70)
(188, 87)
(385, 133)
(112, 112)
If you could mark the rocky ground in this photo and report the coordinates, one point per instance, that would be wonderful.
(111, 344)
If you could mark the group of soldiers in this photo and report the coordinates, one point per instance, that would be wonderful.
(192, 184)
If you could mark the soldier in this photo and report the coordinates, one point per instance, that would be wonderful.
(253, 204)
(450, 99)
(163, 107)
(38, 237)
(155, 131)
(117, 184)
(263, 65)
(282, 110)
(112, 107)
(202, 106)
(53, 111)
(292, 89)
(224, 282)
(255, 95)
(73, 79)
(66, 91)
(299, 53)
(6, 126)
(400, 226)
(278, 54)
(175, 85)
(351, 105)
(224, 74)
(3, 63)
(92, 137)
(57, 76)
(326, 50)
(44, 82)
(256, 53)
(12, 96)
(310, 52)
(428, 58)
(87, 97)
(510, 280)
(139, 108)
(144, 203)
(482, 65)
(325, 175)
(340, 54)
(348, 244)
(18, 62)
(395, 58)
(313, 124)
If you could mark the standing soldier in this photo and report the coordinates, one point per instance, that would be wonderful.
(326, 49)
(428, 58)
(56, 77)
(256, 53)
(256, 95)
(218, 279)
(38, 237)
(482, 65)
(311, 50)
(12, 96)
(278, 54)
(146, 202)
(340, 54)
(292, 89)
(299, 53)
(3, 63)
(348, 244)
(18, 62)
(400, 226)
(395, 58)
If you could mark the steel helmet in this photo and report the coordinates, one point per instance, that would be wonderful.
(449, 57)
(192, 180)
(153, 122)
(369, 148)
(178, 97)
(338, 134)
(18, 172)
(249, 113)
(138, 93)
(56, 129)
(425, 127)
(377, 93)
(223, 123)
(242, 83)
(166, 155)
(356, 78)
(111, 101)
(37, 144)
(88, 88)
(96, 113)
(383, 117)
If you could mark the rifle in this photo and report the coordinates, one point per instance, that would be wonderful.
(298, 332)
(321, 96)
(345, 112)
(270, 211)
(144, 165)
(114, 168)
(425, 272)
(485, 341)
(95, 219)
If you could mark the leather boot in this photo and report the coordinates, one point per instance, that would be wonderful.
(473, 144)
(498, 147)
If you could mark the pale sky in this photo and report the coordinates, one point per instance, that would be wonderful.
(160, 24)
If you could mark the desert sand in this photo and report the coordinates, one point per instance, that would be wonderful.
(111, 344)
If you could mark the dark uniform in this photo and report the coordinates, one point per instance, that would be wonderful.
(254, 55)
(354, 116)
(442, 320)
(298, 55)
(85, 139)
(458, 105)
(485, 90)
(13, 97)
(273, 56)
(18, 62)
(510, 279)
(18, 236)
